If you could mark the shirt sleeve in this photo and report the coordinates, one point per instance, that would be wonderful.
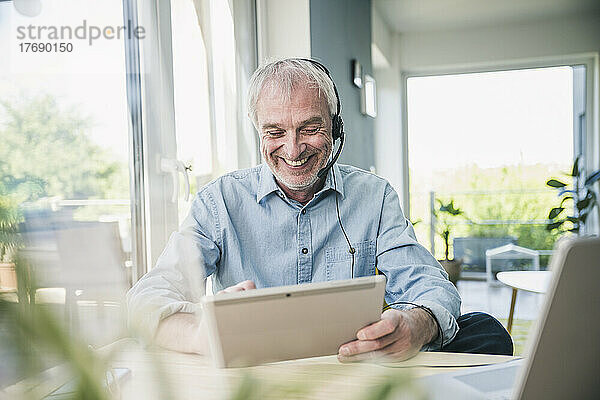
(413, 274)
(177, 282)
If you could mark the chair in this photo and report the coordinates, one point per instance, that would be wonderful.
(509, 252)
(83, 259)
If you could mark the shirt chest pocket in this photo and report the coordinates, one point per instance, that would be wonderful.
(339, 260)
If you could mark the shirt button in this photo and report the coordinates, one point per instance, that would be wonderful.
(303, 211)
(304, 250)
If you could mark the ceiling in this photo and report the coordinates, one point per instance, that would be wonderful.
(432, 15)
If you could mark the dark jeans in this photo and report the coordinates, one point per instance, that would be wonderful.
(480, 333)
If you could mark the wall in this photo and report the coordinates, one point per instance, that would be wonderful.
(341, 31)
(284, 28)
(424, 50)
(388, 139)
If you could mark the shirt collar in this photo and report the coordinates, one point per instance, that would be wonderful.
(267, 184)
(339, 183)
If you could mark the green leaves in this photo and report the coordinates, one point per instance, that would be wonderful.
(582, 195)
(575, 170)
(35, 332)
(554, 225)
(562, 202)
(585, 202)
(555, 212)
(448, 212)
(555, 183)
(449, 208)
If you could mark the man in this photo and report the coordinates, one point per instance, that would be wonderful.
(278, 224)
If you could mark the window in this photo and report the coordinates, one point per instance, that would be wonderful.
(63, 112)
(489, 142)
(65, 198)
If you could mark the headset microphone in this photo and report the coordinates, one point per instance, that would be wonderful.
(323, 171)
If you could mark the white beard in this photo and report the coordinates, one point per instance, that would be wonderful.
(296, 186)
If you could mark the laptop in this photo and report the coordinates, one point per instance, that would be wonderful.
(564, 353)
(289, 322)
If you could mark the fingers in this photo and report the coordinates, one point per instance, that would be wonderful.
(386, 325)
(245, 285)
(397, 349)
(370, 355)
(389, 337)
(364, 346)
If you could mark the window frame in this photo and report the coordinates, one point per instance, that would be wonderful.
(154, 131)
(137, 183)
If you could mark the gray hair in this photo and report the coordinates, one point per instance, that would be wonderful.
(285, 75)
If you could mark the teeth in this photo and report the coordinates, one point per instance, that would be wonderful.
(295, 163)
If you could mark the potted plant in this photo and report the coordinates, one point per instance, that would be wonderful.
(13, 192)
(444, 215)
(580, 195)
(9, 241)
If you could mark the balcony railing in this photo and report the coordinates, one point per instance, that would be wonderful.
(518, 215)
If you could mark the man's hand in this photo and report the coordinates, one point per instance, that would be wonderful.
(245, 285)
(185, 332)
(182, 332)
(398, 335)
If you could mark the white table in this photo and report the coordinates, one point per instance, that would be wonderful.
(162, 374)
(531, 281)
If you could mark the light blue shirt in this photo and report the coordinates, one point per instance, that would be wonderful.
(243, 227)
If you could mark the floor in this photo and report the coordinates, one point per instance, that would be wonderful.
(495, 300)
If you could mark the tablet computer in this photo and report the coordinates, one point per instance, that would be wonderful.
(289, 322)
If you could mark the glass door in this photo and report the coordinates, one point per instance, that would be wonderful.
(63, 113)
(65, 179)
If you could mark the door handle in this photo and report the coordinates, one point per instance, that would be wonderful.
(174, 167)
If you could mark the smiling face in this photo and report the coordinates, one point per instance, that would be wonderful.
(295, 136)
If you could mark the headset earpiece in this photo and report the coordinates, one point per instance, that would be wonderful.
(337, 127)
(337, 124)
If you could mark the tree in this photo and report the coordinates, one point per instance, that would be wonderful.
(45, 143)
(45, 151)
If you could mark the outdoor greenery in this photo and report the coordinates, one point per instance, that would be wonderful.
(445, 216)
(48, 144)
(46, 152)
(503, 201)
(9, 220)
(579, 197)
